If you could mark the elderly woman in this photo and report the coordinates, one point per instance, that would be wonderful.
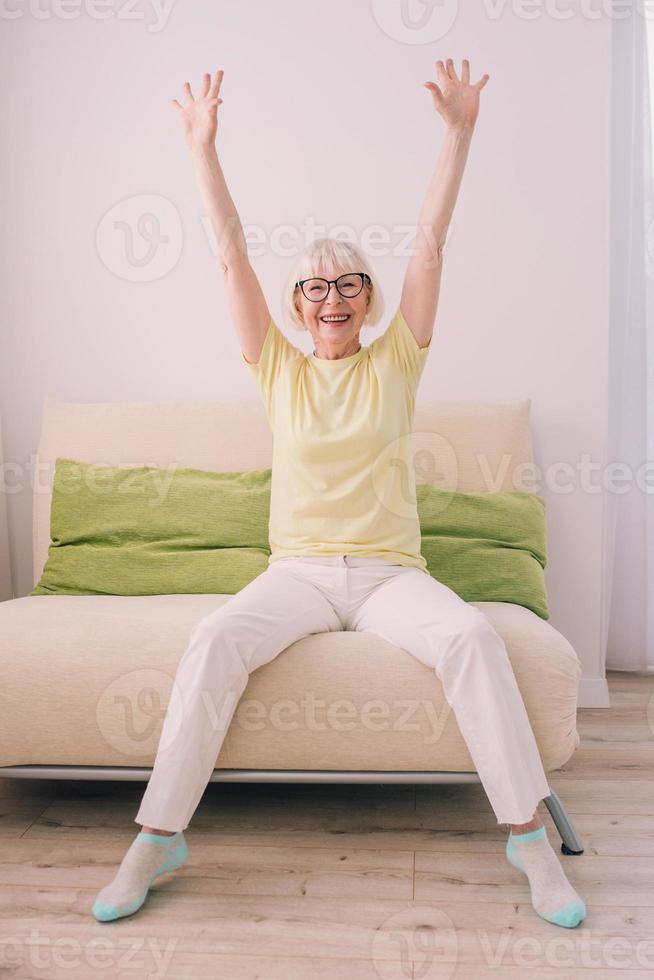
(344, 530)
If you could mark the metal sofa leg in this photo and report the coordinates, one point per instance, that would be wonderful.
(571, 843)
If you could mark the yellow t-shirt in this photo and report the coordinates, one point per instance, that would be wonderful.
(343, 479)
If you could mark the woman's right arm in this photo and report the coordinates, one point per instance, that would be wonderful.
(247, 303)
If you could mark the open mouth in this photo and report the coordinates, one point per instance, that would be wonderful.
(340, 319)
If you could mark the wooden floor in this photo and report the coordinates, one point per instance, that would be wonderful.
(341, 882)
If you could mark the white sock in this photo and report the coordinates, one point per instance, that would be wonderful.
(149, 856)
(552, 895)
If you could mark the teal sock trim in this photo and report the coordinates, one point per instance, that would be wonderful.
(159, 838)
(530, 835)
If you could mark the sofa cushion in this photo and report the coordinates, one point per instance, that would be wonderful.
(86, 681)
(156, 531)
(487, 547)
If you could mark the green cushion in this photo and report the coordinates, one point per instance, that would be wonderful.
(487, 547)
(157, 531)
(154, 531)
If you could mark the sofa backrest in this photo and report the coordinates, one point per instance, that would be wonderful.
(458, 445)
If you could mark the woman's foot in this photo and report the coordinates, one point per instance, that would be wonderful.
(149, 856)
(552, 895)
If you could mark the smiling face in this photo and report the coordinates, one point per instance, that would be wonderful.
(333, 336)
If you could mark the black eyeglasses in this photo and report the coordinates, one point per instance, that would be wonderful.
(350, 284)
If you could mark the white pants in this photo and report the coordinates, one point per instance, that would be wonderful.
(297, 596)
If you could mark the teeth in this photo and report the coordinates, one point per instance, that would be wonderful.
(334, 319)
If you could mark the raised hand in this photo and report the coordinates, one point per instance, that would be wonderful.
(200, 116)
(457, 101)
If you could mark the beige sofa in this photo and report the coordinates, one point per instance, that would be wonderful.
(87, 678)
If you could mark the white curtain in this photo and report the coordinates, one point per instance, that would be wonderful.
(648, 184)
(628, 607)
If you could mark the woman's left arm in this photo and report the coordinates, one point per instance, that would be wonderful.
(458, 103)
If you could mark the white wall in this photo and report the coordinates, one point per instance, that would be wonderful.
(524, 303)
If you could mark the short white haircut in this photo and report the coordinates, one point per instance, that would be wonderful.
(331, 257)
